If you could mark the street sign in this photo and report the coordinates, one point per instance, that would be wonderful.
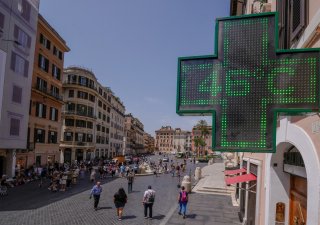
(247, 83)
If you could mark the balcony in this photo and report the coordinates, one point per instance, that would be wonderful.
(50, 93)
(80, 84)
(78, 113)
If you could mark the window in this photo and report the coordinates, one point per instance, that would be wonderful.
(99, 115)
(98, 139)
(90, 111)
(107, 130)
(100, 91)
(82, 110)
(80, 137)
(41, 84)
(25, 9)
(52, 137)
(103, 129)
(89, 125)
(83, 95)
(98, 127)
(83, 81)
(92, 98)
(22, 37)
(39, 135)
(68, 136)
(72, 79)
(55, 91)
(41, 110)
(80, 123)
(16, 94)
(71, 93)
(53, 114)
(69, 122)
(104, 106)
(108, 119)
(89, 138)
(19, 64)
(108, 110)
(293, 19)
(56, 72)
(57, 52)
(104, 117)
(14, 127)
(100, 103)
(45, 42)
(43, 63)
(71, 107)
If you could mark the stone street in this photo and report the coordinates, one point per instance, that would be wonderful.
(76, 208)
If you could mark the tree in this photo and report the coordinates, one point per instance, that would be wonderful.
(199, 141)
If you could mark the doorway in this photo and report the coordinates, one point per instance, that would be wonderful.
(298, 200)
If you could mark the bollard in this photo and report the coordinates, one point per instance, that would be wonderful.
(197, 174)
(186, 182)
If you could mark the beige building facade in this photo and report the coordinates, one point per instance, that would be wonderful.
(18, 29)
(164, 139)
(149, 143)
(44, 128)
(134, 129)
(287, 186)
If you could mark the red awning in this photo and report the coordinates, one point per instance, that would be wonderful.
(232, 172)
(241, 178)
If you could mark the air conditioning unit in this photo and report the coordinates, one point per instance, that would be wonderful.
(266, 7)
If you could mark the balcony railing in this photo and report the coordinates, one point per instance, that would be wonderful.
(48, 92)
(81, 84)
(78, 113)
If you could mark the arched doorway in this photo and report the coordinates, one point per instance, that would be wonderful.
(292, 177)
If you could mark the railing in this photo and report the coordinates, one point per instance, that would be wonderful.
(80, 84)
(71, 112)
(51, 93)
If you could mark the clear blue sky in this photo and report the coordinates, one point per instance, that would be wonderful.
(132, 46)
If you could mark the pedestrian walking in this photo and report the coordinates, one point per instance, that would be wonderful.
(130, 181)
(183, 201)
(147, 201)
(120, 199)
(93, 175)
(96, 192)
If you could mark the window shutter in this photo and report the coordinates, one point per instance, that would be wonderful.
(26, 68)
(39, 60)
(1, 20)
(13, 61)
(16, 32)
(37, 109)
(41, 38)
(56, 115)
(44, 112)
(29, 42)
(297, 17)
(51, 117)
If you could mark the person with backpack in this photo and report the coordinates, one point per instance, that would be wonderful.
(147, 201)
(183, 201)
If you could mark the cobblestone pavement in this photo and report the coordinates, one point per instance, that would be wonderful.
(76, 208)
(206, 209)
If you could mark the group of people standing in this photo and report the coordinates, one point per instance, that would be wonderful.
(120, 199)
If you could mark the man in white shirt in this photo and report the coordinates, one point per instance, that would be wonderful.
(147, 201)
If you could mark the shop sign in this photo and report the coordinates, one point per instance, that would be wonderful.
(247, 83)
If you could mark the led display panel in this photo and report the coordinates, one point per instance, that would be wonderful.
(247, 83)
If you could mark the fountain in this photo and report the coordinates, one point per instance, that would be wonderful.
(145, 169)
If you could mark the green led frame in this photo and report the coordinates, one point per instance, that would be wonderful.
(247, 83)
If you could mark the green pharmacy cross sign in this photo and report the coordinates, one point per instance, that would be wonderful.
(247, 83)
